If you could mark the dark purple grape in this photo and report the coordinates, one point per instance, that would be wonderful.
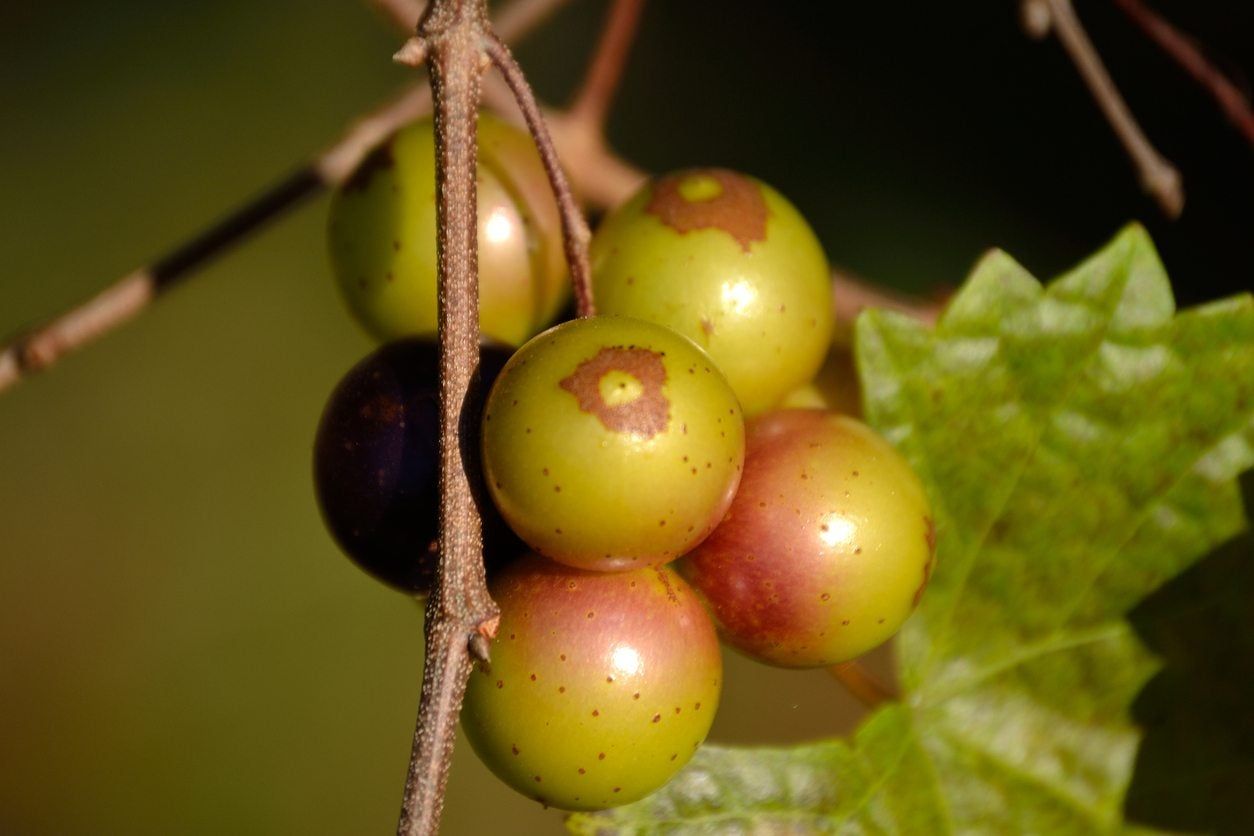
(376, 465)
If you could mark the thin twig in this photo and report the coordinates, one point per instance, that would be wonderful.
(598, 175)
(460, 617)
(1184, 51)
(864, 685)
(583, 124)
(591, 104)
(575, 234)
(852, 295)
(130, 295)
(42, 346)
(1158, 176)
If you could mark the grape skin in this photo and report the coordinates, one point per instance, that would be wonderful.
(611, 443)
(728, 262)
(381, 236)
(827, 547)
(376, 464)
(601, 685)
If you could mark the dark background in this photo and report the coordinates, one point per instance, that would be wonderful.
(181, 647)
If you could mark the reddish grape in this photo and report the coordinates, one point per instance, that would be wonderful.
(601, 685)
(827, 547)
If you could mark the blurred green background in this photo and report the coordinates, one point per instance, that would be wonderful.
(182, 648)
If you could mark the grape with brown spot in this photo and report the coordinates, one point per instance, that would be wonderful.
(727, 261)
(827, 545)
(605, 409)
(587, 708)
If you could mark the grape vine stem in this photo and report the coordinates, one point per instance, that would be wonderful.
(42, 346)
(591, 104)
(865, 686)
(575, 234)
(1159, 178)
(1182, 49)
(461, 617)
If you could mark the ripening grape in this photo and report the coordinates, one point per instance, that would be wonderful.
(601, 685)
(611, 443)
(727, 261)
(827, 547)
(382, 228)
(376, 465)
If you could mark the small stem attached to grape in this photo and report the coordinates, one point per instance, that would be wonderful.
(591, 104)
(865, 686)
(575, 234)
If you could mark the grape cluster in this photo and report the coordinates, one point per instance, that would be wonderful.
(652, 516)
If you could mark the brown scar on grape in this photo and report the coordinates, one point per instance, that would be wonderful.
(739, 209)
(929, 535)
(666, 583)
(927, 576)
(646, 415)
(378, 160)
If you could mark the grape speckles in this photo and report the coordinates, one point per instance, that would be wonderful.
(604, 409)
(826, 548)
(614, 734)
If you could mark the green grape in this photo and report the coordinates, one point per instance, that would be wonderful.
(601, 685)
(611, 443)
(827, 547)
(727, 261)
(382, 242)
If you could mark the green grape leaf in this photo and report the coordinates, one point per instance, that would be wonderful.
(1080, 443)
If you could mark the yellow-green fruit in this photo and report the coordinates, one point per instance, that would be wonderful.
(382, 241)
(726, 260)
(601, 686)
(612, 443)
